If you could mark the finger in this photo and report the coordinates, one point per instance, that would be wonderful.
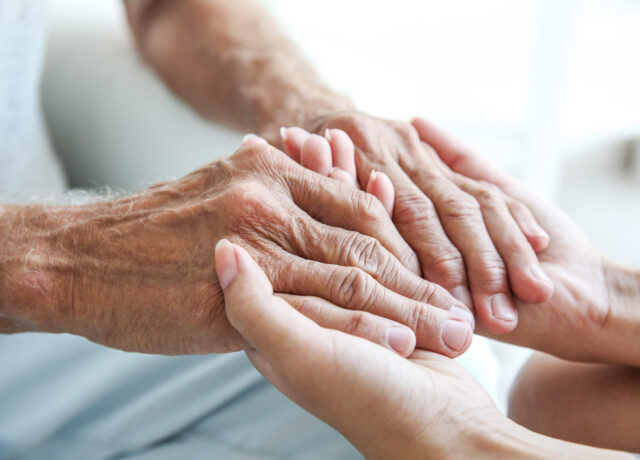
(252, 139)
(462, 219)
(454, 154)
(436, 329)
(343, 206)
(538, 238)
(336, 246)
(380, 186)
(416, 218)
(267, 322)
(293, 139)
(526, 277)
(316, 155)
(343, 151)
(463, 161)
(376, 329)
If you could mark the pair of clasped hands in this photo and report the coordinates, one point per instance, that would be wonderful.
(385, 243)
(448, 243)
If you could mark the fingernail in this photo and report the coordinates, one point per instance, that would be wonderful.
(327, 135)
(283, 134)
(248, 138)
(226, 262)
(455, 334)
(463, 295)
(464, 314)
(540, 275)
(401, 339)
(502, 308)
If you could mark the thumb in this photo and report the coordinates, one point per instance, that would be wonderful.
(456, 155)
(462, 160)
(267, 322)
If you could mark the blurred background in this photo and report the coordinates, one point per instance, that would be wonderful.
(549, 89)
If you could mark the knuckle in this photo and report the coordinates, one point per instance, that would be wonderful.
(355, 288)
(518, 207)
(414, 210)
(368, 207)
(514, 241)
(427, 292)
(359, 323)
(405, 131)
(460, 206)
(492, 272)
(260, 152)
(450, 266)
(489, 193)
(366, 252)
(421, 318)
(246, 197)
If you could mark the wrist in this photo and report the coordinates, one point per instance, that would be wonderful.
(300, 108)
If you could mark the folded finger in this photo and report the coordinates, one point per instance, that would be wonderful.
(384, 332)
(436, 329)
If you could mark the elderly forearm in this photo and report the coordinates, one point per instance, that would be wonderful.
(29, 295)
(230, 61)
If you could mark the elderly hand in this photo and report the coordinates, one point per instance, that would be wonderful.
(466, 233)
(136, 273)
(594, 313)
(387, 406)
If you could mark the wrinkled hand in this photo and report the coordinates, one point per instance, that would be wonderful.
(583, 320)
(137, 273)
(469, 237)
(387, 406)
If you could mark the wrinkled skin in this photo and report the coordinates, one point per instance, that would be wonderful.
(137, 273)
(469, 237)
(594, 312)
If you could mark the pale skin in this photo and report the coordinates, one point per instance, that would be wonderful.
(592, 404)
(425, 407)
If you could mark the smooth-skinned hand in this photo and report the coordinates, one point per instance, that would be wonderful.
(387, 406)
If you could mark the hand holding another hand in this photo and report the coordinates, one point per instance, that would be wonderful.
(137, 273)
(594, 312)
(469, 237)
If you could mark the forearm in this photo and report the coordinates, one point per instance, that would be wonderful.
(230, 61)
(29, 293)
(595, 404)
(622, 326)
(508, 440)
